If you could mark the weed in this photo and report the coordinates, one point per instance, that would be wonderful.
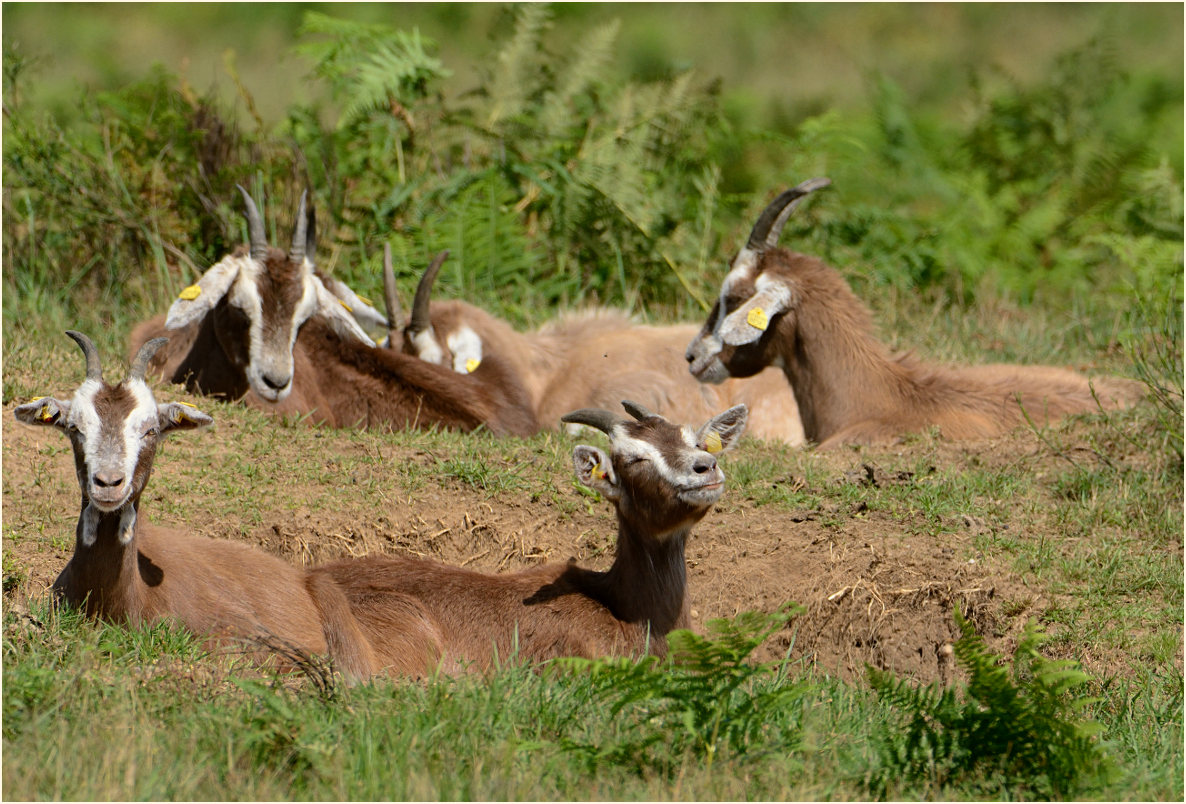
(1010, 733)
(706, 699)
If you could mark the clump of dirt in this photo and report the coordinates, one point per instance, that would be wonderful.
(875, 591)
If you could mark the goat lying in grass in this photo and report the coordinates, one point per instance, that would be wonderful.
(588, 359)
(662, 479)
(779, 308)
(124, 569)
(264, 324)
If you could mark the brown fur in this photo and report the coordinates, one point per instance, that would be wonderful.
(339, 382)
(850, 388)
(598, 357)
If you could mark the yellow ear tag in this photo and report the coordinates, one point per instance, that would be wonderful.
(190, 293)
(188, 405)
(598, 472)
(472, 364)
(347, 306)
(757, 318)
(712, 442)
(367, 302)
(37, 399)
(45, 414)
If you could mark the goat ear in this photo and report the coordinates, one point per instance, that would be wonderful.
(199, 298)
(336, 314)
(361, 308)
(595, 470)
(44, 411)
(723, 431)
(747, 323)
(181, 416)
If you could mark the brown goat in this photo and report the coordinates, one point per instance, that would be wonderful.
(126, 570)
(662, 479)
(265, 325)
(587, 359)
(779, 308)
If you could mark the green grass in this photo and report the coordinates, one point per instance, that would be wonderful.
(101, 712)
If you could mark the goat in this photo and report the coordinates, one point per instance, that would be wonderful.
(791, 311)
(124, 569)
(265, 325)
(587, 359)
(662, 479)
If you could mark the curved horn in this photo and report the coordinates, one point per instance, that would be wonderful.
(395, 315)
(297, 252)
(420, 321)
(769, 226)
(94, 369)
(636, 410)
(255, 228)
(140, 362)
(603, 420)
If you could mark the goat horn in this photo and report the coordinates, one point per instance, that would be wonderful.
(311, 234)
(603, 420)
(636, 410)
(140, 362)
(94, 369)
(297, 252)
(394, 314)
(769, 226)
(420, 321)
(255, 228)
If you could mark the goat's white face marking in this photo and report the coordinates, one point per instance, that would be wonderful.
(270, 362)
(694, 487)
(111, 449)
(704, 351)
(466, 346)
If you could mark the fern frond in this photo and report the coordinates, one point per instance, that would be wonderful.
(520, 64)
(560, 107)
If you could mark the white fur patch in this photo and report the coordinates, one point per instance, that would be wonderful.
(466, 346)
(424, 344)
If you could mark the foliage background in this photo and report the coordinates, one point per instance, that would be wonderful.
(597, 153)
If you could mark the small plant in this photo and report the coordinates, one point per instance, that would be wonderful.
(707, 699)
(1021, 735)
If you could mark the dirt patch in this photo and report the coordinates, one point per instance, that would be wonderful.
(875, 590)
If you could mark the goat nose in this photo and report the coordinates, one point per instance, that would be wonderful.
(106, 480)
(704, 465)
(274, 384)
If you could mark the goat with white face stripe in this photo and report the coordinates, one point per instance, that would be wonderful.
(114, 432)
(661, 478)
(780, 308)
(235, 329)
(125, 569)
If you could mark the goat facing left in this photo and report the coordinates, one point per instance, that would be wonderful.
(126, 570)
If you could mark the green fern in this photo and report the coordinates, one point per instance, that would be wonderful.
(708, 699)
(1018, 733)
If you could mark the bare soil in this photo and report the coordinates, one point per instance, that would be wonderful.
(878, 588)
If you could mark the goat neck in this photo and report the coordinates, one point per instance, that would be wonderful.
(825, 346)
